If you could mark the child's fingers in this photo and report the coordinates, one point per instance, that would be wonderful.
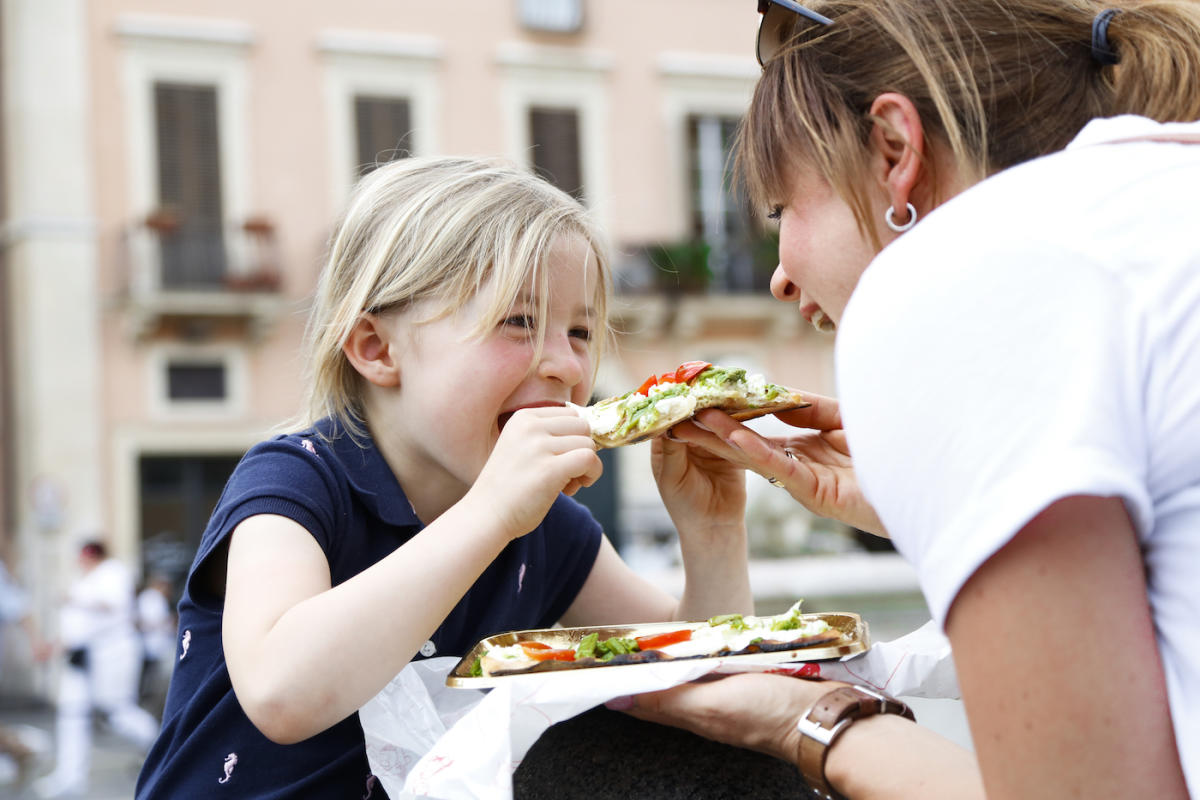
(557, 421)
(583, 467)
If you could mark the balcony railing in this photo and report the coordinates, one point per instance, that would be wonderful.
(188, 270)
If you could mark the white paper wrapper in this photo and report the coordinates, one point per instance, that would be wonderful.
(425, 740)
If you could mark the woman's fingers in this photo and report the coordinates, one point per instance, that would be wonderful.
(823, 414)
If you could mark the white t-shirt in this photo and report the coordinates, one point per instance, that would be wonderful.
(156, 624)
(99, 606)
(1037, 337)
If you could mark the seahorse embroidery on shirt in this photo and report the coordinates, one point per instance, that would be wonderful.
(308, 445)
(230, 763)
(187, 642)
(521, 577)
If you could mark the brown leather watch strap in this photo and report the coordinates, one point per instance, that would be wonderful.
(829, 717)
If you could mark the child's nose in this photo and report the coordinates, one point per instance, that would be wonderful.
(561, 361)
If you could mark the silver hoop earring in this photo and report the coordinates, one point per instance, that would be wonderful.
(891, 223)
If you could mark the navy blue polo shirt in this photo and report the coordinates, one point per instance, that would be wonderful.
(347, 497)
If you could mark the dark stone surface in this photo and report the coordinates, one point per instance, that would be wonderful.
(603, 753)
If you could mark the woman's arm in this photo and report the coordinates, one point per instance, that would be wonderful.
(1058, 664)
(878, 758)
(1056, 655)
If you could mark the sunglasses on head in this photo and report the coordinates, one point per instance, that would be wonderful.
(777, 22)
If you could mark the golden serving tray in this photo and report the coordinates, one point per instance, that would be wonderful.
(855, 639)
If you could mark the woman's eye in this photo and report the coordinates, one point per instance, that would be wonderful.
(775, 213)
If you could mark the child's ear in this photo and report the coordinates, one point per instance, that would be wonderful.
(372, 351)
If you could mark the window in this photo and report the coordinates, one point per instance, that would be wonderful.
(554, 136)
(553, 16)
(384, 129)
(196, 381)
(382, 92)
(719, 218)
(189, 186)
(554, 111)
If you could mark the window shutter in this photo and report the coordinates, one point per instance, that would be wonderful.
(188, 381)
(189, 184)
(383, 126)
(554, 134)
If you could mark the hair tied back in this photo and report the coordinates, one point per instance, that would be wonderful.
(1102, 51)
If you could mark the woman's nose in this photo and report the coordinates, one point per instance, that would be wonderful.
(783, 288)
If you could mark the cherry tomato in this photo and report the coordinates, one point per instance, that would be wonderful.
(645, 387)
(541, 652)
(656, 640)
(689, 370)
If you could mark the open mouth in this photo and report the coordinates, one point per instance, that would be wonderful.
(817, 317)
(503, 419)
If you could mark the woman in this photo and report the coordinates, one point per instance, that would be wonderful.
(984, 201)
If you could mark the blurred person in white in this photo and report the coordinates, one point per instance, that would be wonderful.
(156, 623)
(15, 612)
(103, 653)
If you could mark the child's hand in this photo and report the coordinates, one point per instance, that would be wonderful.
(702, 491)
(540, 452)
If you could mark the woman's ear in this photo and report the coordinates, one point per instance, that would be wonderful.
(897, 140)
(371, 350)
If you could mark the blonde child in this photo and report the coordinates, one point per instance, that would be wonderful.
(423, 503)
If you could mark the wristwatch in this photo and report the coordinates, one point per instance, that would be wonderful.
(829, 717)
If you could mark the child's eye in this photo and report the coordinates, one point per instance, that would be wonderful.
(523, 321)
(775, 213)
(582, 333)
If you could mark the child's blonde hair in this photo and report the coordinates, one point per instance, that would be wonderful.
(439, 229)
(997, 82)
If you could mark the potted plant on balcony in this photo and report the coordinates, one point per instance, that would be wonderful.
(258, 226)
(162, 221)
(681, 267)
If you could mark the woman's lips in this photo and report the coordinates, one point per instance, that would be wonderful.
(817, 317)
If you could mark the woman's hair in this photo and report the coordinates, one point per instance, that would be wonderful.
(998, 82)
(437, 229)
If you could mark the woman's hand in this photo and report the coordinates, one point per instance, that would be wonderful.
(819, 473)
(755, 710)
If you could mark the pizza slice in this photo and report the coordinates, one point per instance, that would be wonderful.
(727, 635)
(664, 401)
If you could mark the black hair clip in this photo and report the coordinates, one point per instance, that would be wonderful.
(1102, 51)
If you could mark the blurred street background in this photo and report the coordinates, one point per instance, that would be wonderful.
(169, 174)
